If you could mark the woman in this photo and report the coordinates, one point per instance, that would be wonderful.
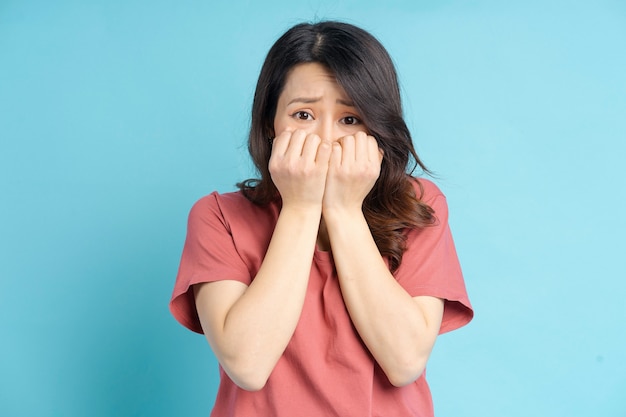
(322, 286)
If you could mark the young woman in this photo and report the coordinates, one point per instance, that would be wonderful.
(322, 285)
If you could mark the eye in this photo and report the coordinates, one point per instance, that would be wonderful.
(302, 115)
(351, 120)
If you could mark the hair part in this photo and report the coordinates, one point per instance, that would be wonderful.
(364, 69)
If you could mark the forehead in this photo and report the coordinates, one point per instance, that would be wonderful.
(311, 79)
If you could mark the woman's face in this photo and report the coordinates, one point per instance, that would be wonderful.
(313, 101)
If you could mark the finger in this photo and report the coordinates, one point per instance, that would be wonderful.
(348, 149)
(336, 154)
(375, 154)
(361, 146)
(296, 143)
(280, 143)
(310, 145)
(324, 151)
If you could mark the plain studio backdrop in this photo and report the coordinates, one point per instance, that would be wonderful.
(116, 116)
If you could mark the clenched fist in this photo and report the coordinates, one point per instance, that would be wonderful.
(354, 167)
(299, 165)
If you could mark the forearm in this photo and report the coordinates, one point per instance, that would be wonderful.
(254, 331)
(394, 327)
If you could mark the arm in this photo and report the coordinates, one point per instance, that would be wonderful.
(399, 330)
(249, 327)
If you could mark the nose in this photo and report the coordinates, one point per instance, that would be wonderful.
(328, 130)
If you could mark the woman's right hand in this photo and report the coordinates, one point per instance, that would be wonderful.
(298, 166)
(249, 327)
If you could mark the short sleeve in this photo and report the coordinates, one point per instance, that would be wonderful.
(430, 265)
(209, 254)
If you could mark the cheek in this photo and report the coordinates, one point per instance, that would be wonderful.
(352, 130)
(280, 124)
(278, 127)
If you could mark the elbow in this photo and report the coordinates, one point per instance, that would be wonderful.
(249, 378)
(401, 379)
(250, 384)
(406, 374)
(408, 365)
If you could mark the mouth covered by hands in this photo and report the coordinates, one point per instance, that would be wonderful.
(311, 172)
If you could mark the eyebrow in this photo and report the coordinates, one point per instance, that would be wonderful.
(309, 100)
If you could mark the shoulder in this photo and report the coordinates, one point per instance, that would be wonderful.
(215, 200)
(232, 211)
(226, 205)
(426, 190)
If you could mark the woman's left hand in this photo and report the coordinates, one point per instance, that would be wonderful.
(353, 170)
(371, 294)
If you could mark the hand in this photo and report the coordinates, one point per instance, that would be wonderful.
(354, 168)
(298, 166)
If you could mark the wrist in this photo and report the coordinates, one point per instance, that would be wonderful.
(338, 216)
(302, 211)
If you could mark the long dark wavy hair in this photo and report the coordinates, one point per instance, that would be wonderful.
(366, 72)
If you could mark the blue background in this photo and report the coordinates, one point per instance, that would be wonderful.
(116, 116)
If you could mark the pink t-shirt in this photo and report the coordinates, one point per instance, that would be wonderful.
(326, 370)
